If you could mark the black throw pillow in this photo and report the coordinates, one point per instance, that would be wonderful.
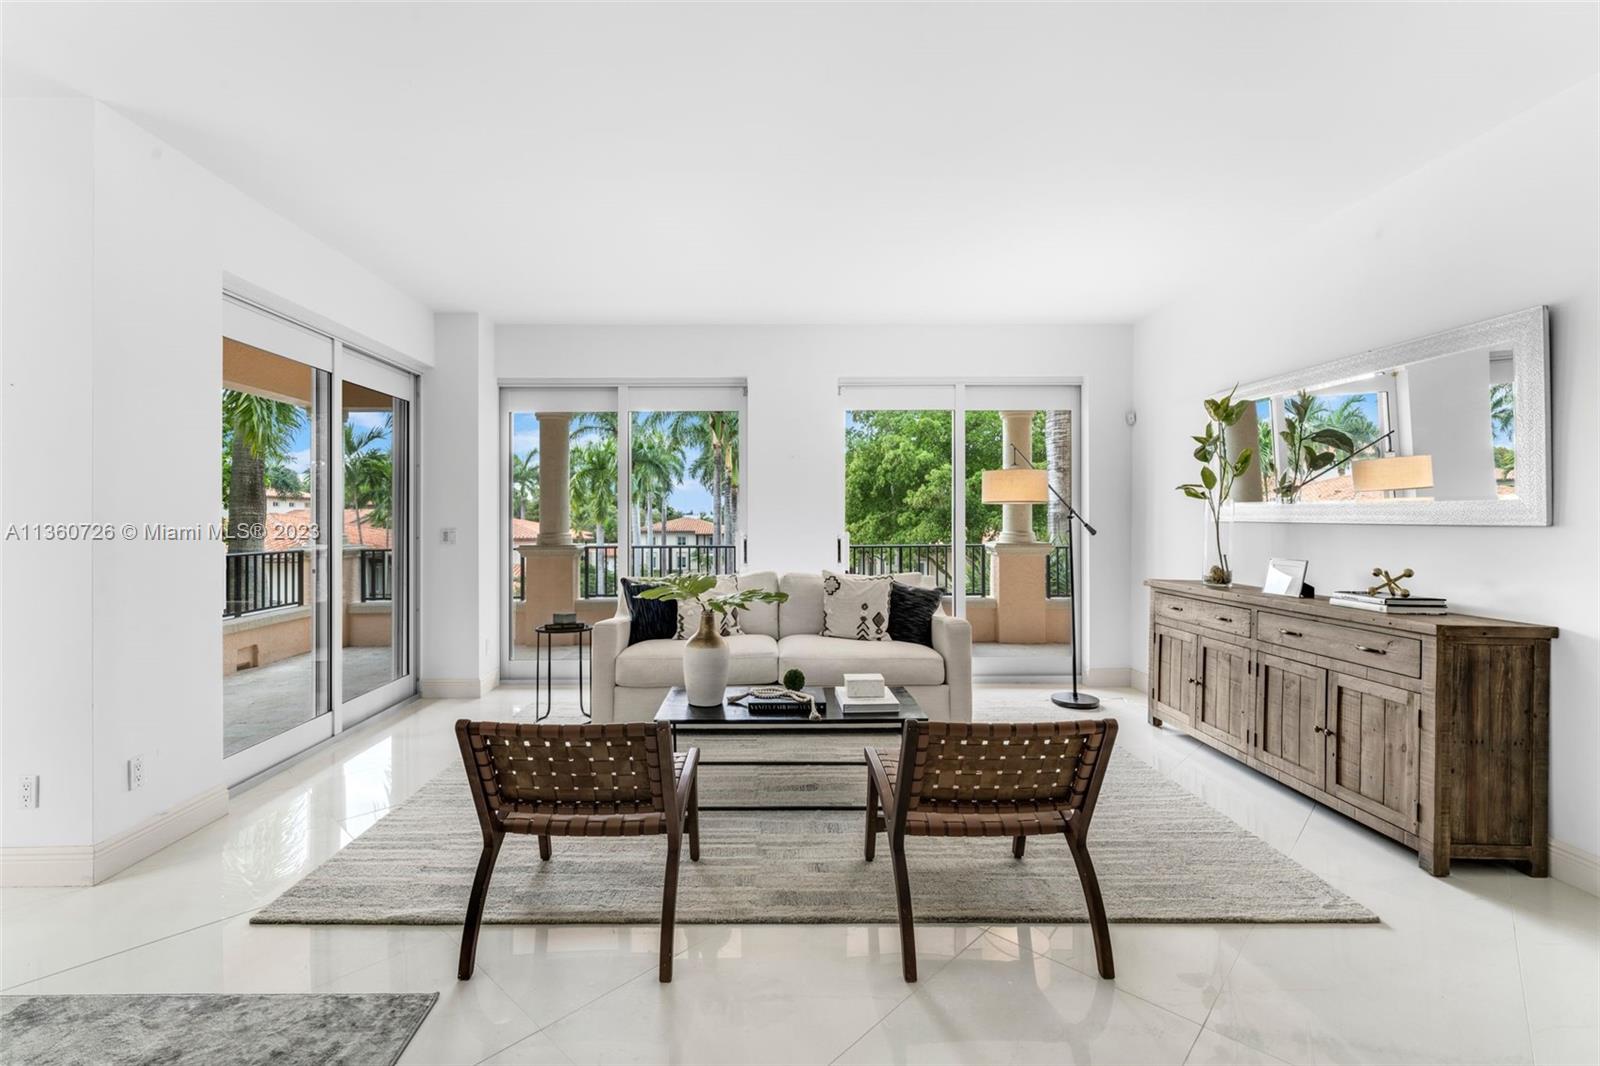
(911, 612)
(652, 619)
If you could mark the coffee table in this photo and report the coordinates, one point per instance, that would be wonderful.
(734, 719)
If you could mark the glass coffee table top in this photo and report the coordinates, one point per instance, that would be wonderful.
(675, 709)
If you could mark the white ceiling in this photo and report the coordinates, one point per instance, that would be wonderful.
(824, 163)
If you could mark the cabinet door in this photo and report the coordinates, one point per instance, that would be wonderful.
(1172, 674)
(1372, 747)
(1293, 698)
(1225, 698)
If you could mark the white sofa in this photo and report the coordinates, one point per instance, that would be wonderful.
(630, 681)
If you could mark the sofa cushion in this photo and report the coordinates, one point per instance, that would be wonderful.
(855, 606)
(802, 612)
(760, 617)
(825, 660)
(753, 660)
(652, 619)
(911, 612)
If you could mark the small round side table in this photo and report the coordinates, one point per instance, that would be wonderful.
(545, 636)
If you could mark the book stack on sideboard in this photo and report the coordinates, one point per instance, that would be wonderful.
(1430, 728)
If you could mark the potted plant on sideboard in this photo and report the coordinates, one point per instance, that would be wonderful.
(1217, 473)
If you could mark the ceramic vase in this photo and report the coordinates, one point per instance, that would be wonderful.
(705, 664)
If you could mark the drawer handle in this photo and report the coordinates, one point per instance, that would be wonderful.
(1174, 607)
(1223, 618)
(1290, 633)
(1372, 651)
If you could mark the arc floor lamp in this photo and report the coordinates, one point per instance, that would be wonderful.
(1028, 484)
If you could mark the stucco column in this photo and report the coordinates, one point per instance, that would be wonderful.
(1016, 435)
(555, 506)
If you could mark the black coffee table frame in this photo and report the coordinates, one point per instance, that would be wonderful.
(734, 720)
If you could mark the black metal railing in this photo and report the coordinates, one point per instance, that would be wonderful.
(597, 564)
(262, 581)
(597, 571)
(1057, 575)
(377, 573)
(934, 561)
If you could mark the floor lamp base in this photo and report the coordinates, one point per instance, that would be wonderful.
(1080, 701)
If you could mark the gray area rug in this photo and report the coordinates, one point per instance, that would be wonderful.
(208, 1030)
(1162, 855)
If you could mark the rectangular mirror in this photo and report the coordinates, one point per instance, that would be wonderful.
(1448, 429)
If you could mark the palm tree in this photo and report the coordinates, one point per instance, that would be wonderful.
(1351, 419)
(657, 467)
(1502, 408)
(593, 484)
(525, 484)
(258, 432)
(368, 474)
(1058, 464)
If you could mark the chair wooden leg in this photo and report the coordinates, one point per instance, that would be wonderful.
(480, 892)
(544, 848)
(871, 847)
(1096, 905)
(902, 892)
(694, 820)
(1017, 844)
(669, 908)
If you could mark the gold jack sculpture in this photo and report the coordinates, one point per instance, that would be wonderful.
(1391, 585)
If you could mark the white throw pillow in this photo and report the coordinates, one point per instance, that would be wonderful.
(855, 606)
(689, 611)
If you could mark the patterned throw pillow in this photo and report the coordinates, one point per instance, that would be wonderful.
(854, 606)
(911, 612)
(689, 611)
(652, 619)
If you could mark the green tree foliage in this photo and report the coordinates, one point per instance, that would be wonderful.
(525, 484)
(256, 434)
(369, 474)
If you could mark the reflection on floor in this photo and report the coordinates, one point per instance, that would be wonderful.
(1485, 965)
(261, 703)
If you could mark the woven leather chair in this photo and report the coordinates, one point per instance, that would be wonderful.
(578, 780)
(957, 779)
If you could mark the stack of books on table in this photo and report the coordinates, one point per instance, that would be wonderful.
(1390, 604)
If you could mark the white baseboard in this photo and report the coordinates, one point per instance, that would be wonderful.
(1574, 866)
(89, 864)
(458, 688)
(1108, 677)
(1139, 679)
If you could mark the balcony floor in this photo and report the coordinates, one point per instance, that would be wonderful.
(261, 703)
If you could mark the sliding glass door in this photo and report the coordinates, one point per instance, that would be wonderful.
(914, 459)
(603, 482)
(373, 620)
(316, 614)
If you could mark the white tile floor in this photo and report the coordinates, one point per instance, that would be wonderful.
(1484, 966)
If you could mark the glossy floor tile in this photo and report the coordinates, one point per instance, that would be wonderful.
(1483, 966)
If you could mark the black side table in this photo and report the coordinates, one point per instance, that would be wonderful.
(545, 635)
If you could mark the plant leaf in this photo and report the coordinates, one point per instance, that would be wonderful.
(1208, 477)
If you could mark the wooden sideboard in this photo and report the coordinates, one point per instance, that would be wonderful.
(1431, 729)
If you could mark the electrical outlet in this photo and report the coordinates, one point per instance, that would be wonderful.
(135, 772)
(30, 792)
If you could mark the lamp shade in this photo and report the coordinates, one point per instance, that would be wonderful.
(1016, 484)
(1392, 474)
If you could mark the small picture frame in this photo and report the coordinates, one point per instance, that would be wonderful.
(1285, 577)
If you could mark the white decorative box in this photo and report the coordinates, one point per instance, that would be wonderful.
(863, 686)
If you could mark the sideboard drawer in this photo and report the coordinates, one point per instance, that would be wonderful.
(1219, 616)
(1372, 648)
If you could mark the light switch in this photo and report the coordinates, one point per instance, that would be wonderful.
(448, 535)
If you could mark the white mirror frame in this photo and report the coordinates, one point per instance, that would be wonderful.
(1526, 335)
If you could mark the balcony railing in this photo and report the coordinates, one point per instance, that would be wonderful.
(377, 571)
(934, 561)
(597, 564)
(262, 581)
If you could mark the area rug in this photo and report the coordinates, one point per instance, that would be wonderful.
(206, 1030)
(1161, 853)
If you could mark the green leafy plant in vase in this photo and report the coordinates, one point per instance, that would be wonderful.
(1218, 471)
(705, 656)
(1305, 446)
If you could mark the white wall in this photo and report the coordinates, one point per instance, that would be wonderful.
(1505, 223)
(116, 251)
(460, 472)
(794, 502)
